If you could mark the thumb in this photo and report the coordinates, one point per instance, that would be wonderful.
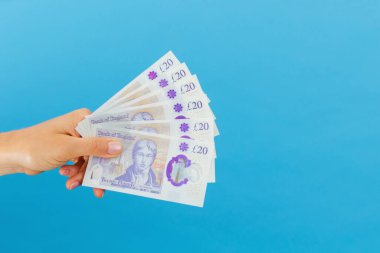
(95, 146)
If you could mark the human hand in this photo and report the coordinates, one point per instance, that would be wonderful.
(52, 144)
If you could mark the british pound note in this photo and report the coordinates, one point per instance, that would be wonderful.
(196, 129)
(162, 81)
(199, 128)
(177, 83)
(167, 110)
(153, 166)
(165, 63)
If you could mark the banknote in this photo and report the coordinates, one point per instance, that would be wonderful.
(165, 63)
(197, 104)
(173, 84)
(196, 129)
(165, 121)
(166, 80)
(168, 74)
(154, 166)
(199, 128)
(139, 91)
(157, 111)
(165, 93)
(167, 110)
(157, 96)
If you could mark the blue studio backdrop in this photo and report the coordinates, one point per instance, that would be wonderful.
(294, 85)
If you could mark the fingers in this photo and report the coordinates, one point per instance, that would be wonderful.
(76, 160)
(76, 173)
(99, 193)
(76, 179)
(94, 146)
(32, 172)
(69, 170)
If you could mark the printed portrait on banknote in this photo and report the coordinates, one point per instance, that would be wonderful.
(140, 172)
(140, 166)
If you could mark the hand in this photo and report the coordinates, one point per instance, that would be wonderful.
(52, 144)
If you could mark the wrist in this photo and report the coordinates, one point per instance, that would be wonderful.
(9, 153)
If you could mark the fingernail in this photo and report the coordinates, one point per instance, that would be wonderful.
(114, 147)
(74, 185)
(64, 172)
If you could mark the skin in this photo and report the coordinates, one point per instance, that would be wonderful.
(52, 144)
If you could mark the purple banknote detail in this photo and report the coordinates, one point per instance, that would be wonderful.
(142, 116)
(172, 93)
(152, 75)
(109, 118)
(178, 107)
(163, 83)
(184, 127)
(183, 146)
(176, 168)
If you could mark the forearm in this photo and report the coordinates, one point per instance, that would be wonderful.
(8, 154)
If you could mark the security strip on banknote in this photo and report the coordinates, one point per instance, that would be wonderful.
(165, 120)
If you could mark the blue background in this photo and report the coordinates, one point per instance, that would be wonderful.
(294, 86)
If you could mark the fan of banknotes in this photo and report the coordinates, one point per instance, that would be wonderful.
(164, 120)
